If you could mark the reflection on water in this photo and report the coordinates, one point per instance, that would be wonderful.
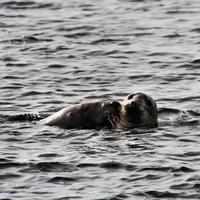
(58, 53)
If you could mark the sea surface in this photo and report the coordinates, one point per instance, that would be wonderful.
(59, 53)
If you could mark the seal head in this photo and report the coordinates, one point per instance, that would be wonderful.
(137, 110)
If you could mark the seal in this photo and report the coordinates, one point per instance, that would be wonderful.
(137, 110)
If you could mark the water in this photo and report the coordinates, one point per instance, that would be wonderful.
(57, 53)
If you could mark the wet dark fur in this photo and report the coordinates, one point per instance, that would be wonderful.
(86, 116)
(25, 117)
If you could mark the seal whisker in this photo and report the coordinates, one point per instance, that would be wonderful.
(123, 122)
(149, 119)
(110, 120)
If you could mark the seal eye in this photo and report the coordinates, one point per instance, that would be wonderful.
(148, 102)
(130, 96)
(114, 104)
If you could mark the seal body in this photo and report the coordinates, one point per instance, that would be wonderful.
(86, 116)
(137, 110)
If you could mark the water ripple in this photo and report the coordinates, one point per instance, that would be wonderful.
(57, 54)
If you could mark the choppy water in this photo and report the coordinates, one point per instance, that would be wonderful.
(58, 53)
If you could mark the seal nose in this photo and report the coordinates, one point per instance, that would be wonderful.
(134, 107)
(133, 104)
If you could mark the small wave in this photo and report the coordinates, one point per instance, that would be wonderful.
(17, 65)
(163, 194)
(191, 122)
(158, 54)
(77, 35)
(168, 110)
(84, 165)
(75, 28)
(34, 93)
(12, 77)
(196, 61)
(62, 180)
(174, 35)
(95, 53)
(140, 77)
(25, 5)
(196, 186)
(141, 34)
(194, 113)
(194, 64)
(5, 165)
(189, 98)
(113, 52)
(178, 11)
(49, 155)
(116, 165)
(10, 16)
(183, 169)
(192, 154)
(167, 169)
(53, 167)
(193, 178)
(179, 117)
(8, 59)
(108, 165)
(156, 168)
(181, 186)
(106, 40)
(26, 39)
(9, 176)
(120, 196)
(196, 30)
(56, 66)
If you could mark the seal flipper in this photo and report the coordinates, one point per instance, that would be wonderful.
(25, 117)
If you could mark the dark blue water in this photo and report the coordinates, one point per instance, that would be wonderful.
(58, 53)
